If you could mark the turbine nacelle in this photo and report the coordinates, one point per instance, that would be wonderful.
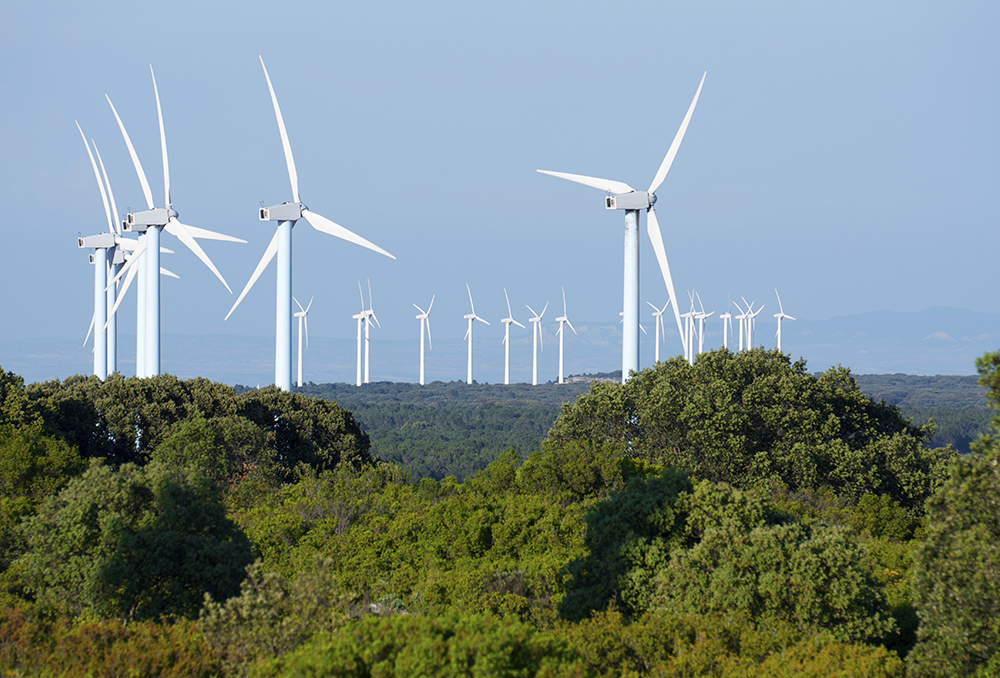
(286, 211)
(101, 240)
(139, 221)
(636, 200)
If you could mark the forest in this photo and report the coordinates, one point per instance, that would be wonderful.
(736, 517)
(456, 429)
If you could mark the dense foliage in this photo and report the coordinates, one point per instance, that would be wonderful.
(738, 517)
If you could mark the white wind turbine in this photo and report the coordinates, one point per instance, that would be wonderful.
(369, 316)
(727, 324)
(742, 317)
(303, 316)
(468, 333)
(624, 197)
(425, 323)
(561, 320)
(658, 329)
(689, 332)
(536, 334)
(152, 221)
(780, 315)
(361, 318)
(751, 321)
(506, 338)
(286, 214)
(701, 318)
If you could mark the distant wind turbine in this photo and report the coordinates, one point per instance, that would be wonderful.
(561, 320)
(780, 315)
(727, 328)
(286, 214)
(370, 317)
(468, 334)
(303, 316)
(425, 323)
(624, 197)
(701, 318)
(361, 318)
(506, 338)
(658, 329)
(536, 334)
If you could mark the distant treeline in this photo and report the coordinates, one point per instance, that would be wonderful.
(455, 429)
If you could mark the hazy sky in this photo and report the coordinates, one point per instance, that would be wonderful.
(843, 153)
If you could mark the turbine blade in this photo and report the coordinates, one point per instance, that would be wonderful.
(780, 307)
(431, 306)
(309, 305)
(114, 223)
(509, 314)
(298, 304)
(204, 234)
(121, 294)
(305, 326)
(518, 324)
(131, 262)
(668, 160)
(655, 237)
(594, 182)
(470, 300)
(570, 325)
(170, 274)
(429, 332)
(163, 142)
(321, 223)
(272, 249)
(292, 176)
(91, 328)
(544, 308)
(100, 184)
(419, 309)
(135, 158)
(178, 229)
(362, 294)
(564, 301)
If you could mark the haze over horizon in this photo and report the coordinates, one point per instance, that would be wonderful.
(843, 154)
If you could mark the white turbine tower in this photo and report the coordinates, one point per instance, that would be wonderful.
(658, 329)
(425, 322)
(286, 214)
(780, 315)
(563, 319)
(152, 221)
(536, 334)
(303, 316)
(624, 197)
(506, 338)
(471, 317)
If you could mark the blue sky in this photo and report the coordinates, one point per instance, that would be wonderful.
(844, 153)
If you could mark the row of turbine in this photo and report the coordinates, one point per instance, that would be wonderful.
(366, 316)
(142, 256)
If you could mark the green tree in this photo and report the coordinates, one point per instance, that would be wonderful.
(754, 418)
(134, 543)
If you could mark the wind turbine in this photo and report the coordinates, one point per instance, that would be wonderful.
(506, 338)
(104, 244)
(561, 320)
(369, 317)
(303, 316)
(751, 321)
(425, 322)
(779, 315)
(689, 332)
(624, 197)
(727, 328)
(151, 221)
(658, 328)
(536, 334)
(286, 214)
(468, 333)
(701, 318)
(361, 318)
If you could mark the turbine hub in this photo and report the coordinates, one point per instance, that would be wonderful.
(286, 211)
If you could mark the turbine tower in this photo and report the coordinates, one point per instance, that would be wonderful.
(425, 322)
(506, 338)
(286, 214)
(780, 315)
(624, 197)
(303, 316)
(468, 333)
(658, 330)
(563, 319)
(152, 221)
(536, 334)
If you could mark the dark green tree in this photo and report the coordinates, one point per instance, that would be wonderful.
(134, 543)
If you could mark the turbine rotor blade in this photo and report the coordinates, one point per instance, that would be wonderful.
(163, 142)
(115, 226)
(509, 314)
(91, 328)
(309, 305)
(608, 185)
(321, 223)
(431, 305)
(298, 304)
(178, 229)
(570, 325)
(428, 320)
(205, 234)
(100, 184)
(135, 158)
(292, 175)
(518, 324)
(676, 144)
(656, 238)
(169, 274)
(272, 249)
